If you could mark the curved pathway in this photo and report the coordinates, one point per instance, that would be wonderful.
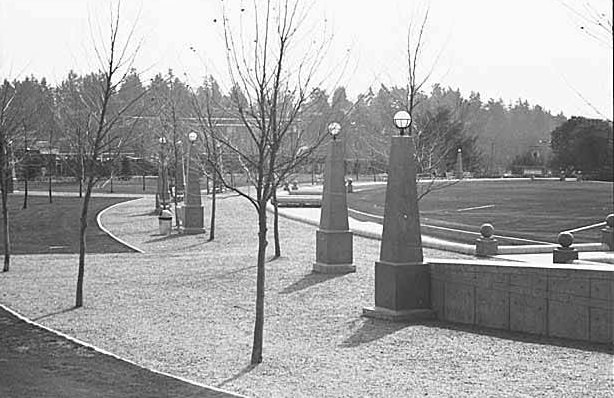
(37, 361)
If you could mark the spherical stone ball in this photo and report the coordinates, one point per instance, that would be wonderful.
(609, 220)
(487, 230)
(565, 239)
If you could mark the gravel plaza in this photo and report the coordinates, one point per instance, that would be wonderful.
(185, 306)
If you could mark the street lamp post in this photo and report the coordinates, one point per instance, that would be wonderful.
(402, 279)
(193, 211)
(163, 175)
(333, 238)
(459, 164)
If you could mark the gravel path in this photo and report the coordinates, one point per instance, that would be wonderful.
(186, 307)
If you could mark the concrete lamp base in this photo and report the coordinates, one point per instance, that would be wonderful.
(398, 316)
(323, 268)
(334, 252)
(402, 292)
(191, 231)
(192, 220)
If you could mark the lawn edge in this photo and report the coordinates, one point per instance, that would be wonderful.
(108, 353)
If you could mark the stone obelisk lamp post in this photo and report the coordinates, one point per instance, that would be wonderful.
(334, 238)
(164, 175)
(193, 216)
(459, 164)
(402, 279)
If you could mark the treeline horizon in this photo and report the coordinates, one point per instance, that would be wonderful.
(490, 133)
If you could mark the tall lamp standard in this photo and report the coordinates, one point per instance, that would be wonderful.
(193, 212)
(163, 175)
(333, 238)
(459, 164)
(402, 279)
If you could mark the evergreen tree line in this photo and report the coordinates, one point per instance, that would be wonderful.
(492, 135)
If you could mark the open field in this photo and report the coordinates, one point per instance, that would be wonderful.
(45, 227)
(186, 307)
(533, 210)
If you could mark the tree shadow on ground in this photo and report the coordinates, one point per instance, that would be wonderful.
(308, 281)
(65, 310)
(161, 238)
(524, 337)
(371, 330)
(241, 373)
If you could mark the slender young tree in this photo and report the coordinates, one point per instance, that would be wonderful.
(8, 130)
(272, 77)
(108, 129)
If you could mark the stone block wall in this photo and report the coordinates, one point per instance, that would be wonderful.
(569, 301)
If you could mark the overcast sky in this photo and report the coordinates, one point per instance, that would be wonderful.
(529, 49)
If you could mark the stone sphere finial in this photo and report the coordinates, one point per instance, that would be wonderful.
(487, 230)
(609, 220)
(565, 239)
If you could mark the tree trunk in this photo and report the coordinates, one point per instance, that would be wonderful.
(4, 189)
(26, 168)
(50, 192)
(25, 189)
(5, 226)
(213, 202)
(276, 225)
(81, 175)
(50, 164)
(259, 324)
(82, 230)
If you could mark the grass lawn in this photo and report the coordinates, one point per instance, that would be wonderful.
(37, 363)
(45, 227)
(535, 210)
(133, 185)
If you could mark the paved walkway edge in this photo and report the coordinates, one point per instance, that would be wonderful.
(106, 231)
(104, 352)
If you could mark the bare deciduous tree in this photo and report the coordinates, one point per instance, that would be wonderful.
(107, 130)
(272, 77)
(8, 128)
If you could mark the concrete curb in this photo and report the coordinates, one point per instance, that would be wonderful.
(106, 231)
(427, 241)
(107, 353)
(440, 244)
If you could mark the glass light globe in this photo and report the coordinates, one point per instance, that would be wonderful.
(402, 119)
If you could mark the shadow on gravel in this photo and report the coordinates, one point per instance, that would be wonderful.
(65, 310)
(371, 330)
(161, 238)
(308, 281)
(374, 329)
(242, 373)
(525, 337)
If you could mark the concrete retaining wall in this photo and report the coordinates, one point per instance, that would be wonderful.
(572, 301)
